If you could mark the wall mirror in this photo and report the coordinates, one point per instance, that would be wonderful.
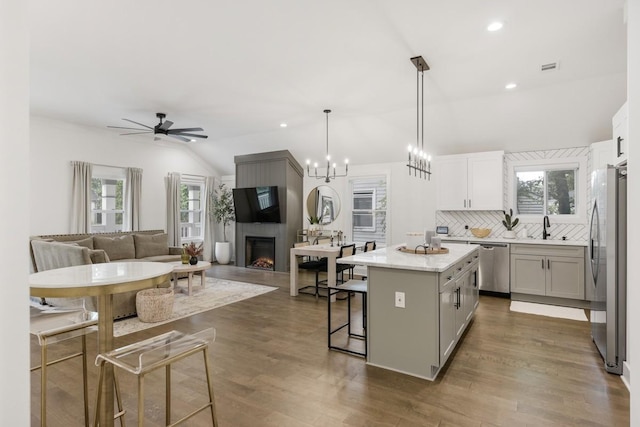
(323, 202)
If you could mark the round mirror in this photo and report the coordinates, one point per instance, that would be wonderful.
(323, 203)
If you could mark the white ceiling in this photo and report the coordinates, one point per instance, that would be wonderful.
(240, 68)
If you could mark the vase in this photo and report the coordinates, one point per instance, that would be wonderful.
(509, 234)
(193, 260)
(185, 258)
(223, 252)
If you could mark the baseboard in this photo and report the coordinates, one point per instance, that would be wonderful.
(565, 302)
(626, 375)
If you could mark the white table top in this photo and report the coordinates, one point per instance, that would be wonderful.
(390, 257)
(97, 275)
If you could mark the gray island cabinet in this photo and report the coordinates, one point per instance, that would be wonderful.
(439, 294)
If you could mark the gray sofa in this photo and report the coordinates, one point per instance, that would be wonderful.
(64, 250)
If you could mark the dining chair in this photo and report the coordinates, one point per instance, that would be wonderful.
(312, 265)
(345, 250)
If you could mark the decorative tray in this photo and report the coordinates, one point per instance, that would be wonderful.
(421, 250)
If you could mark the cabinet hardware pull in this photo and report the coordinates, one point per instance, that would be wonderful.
(549, 264)
(469, 202)
(620, 139)
(465, 203)
(542, 262)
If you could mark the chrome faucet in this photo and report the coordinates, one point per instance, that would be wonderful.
(545, 224)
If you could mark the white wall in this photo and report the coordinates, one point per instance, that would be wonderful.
(14, 173)
(633, 208)
(411, 205)
(54, 144)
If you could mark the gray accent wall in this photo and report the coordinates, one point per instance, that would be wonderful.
(275, 168)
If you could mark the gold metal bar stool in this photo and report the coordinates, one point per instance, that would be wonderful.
(146, 356)
(52, 325)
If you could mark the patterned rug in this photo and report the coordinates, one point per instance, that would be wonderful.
(549, 310)
(216, 293)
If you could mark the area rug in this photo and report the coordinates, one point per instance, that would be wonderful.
(216, 293)
(549, 310)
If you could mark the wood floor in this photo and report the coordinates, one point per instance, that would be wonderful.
(271, 367)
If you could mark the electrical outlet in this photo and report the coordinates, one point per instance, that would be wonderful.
(400, 299)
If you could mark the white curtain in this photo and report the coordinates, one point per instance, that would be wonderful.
(172, 184)
(81, 197)
(207, 220)
(132, 193)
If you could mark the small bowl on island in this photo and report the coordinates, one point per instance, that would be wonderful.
(480, 232)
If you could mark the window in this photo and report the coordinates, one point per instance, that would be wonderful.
(549, 187)
(369, 209)
(192, 202)
(107, 210)
(546, 192)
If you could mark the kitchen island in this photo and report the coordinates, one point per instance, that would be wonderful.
(418, 306)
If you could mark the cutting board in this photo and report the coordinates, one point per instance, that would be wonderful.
(424, 251)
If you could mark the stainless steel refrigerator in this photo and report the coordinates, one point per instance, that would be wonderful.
(608, 255)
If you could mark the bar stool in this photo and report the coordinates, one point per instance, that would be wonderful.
(351, 287)
(50, 326)
(148, 355)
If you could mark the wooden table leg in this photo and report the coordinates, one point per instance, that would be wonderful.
(293, 275)
(105, 344)
(202, 279)
(190, 282)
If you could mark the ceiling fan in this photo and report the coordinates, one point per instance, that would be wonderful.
(163, 128)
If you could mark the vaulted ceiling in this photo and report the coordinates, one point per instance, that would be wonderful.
(241, 68)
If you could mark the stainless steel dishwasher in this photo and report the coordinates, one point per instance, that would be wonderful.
(494, 269)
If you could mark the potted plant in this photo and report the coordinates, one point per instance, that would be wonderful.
(223, 213)
(193, 251)
(314, 224)
(510, 223)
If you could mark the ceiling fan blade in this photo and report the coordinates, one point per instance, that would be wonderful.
(181, 138)
(186, 130)
(140, 124)
(192, 135)
(121, 127)
(137, 133)
(166, 125)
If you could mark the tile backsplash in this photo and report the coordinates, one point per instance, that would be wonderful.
(456, 221)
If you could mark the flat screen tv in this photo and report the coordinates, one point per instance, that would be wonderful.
(256, 204)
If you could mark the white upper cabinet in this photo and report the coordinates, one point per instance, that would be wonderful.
(602, 154)
(620, 124)
(471, 181)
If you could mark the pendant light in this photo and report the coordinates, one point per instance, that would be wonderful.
(331, 168)
(419, 161)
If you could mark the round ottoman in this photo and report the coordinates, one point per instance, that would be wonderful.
(154, 305)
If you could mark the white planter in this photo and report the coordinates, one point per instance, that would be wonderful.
(509, 234)
(222, 252)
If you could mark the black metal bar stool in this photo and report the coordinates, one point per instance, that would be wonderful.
(351, 288)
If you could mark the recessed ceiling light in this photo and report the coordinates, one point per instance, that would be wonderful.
(193, 140)
(283, 125)
(495, 26)
(510, 86)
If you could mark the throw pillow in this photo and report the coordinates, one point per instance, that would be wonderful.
(119, 247)
(98, 256)
(148, 245)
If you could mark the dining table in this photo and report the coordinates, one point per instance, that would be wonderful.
(325, 250)
(101, 281)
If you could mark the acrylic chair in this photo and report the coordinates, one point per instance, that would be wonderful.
(52, 325)
(154, 353)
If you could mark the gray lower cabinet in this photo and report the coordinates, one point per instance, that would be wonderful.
(555, 271)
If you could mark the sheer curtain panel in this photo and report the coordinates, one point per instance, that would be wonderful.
(81, 197)
(172, 183)
(132, 194)
(209, 233)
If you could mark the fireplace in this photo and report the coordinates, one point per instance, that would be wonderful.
(260, 252)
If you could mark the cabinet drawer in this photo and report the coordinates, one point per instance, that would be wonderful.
(548, 250)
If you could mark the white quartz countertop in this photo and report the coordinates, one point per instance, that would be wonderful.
(519, 240)
(391, 257)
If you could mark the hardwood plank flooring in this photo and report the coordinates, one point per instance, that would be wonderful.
(271, 367)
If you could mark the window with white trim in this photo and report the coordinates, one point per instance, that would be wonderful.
(192, 202)
(369, 209)
(107, 209)
(554, 187)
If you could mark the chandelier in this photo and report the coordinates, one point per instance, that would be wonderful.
(419, 161)
(331, 168)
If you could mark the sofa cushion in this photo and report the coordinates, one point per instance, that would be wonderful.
(148, 245)
(98, 256)
(50, 255)
(87, 243)
(117, 248)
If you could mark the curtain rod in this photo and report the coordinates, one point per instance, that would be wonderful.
(105, 166)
